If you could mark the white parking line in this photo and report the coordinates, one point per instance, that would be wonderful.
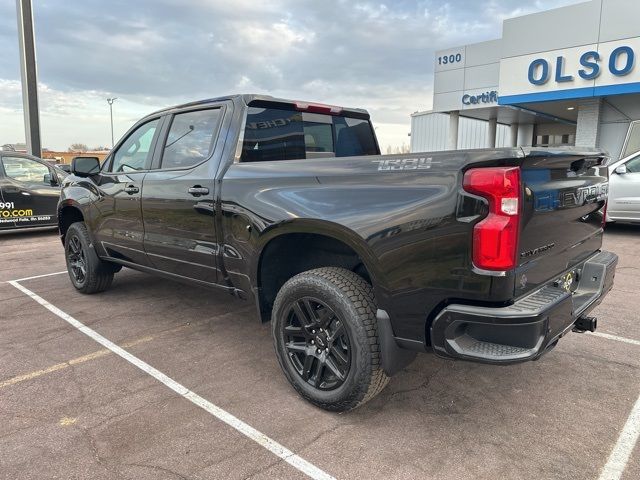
(274, 447)
(623, 449)
(628, 438)
(613, 469)
(616, 338)
(38, 276)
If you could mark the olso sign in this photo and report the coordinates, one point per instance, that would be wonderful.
(619, 63)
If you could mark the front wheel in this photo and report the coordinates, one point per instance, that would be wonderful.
(326, 338)
(87, 272)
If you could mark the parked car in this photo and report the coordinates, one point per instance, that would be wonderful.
(624, 190)
(29, 191)
(359, 260)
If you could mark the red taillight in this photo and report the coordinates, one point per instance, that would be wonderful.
(495, 239)
(318, 108)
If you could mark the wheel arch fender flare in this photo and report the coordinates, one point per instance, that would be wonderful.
(68, 205)
(325, 228)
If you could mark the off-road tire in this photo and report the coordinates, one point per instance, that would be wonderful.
(351, 299)
(98, 273)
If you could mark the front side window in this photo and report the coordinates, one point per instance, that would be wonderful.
(279, 134)
(191, 138)
(135, 153)
(25, 170)
(633, 165)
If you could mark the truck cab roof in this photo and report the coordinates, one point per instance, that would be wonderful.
(253, 98)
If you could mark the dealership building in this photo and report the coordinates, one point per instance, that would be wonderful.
(568, 76)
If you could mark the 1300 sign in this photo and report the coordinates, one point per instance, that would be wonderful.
(447, 59)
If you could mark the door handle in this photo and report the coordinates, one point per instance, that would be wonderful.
(197, 190)
(131, 189)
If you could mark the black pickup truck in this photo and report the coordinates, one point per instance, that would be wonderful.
(359, 260)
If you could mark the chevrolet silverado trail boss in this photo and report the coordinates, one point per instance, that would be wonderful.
(359, 260)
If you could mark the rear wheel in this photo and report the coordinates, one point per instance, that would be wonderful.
(87, 272)
(325, 334)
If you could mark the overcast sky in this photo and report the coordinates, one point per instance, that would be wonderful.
(155, 53)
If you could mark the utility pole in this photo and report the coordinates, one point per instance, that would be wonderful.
(29, 74)
(110, 102)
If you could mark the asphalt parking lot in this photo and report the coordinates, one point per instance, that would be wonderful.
(71, 408)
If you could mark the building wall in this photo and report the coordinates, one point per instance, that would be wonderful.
(605, 92)
(59, 157)
(616, 117)
(66, 157)
(588, 127)
(525, 134)
(612, 136)
(475, 70)
(564, 27)
(430, 131)
(598, 29)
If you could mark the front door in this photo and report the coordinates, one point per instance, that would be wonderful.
(624, 192)
(119, 228)
(6, 216)
(30, 193)
(178, 198)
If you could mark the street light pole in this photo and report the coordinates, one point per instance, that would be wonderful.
(29, 75)
(110, 102)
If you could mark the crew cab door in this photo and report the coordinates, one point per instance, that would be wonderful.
(29, 191)
(624, 191)
(119, 228)
(178, 197)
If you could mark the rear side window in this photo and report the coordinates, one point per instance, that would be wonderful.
(354, 136)
(278, 134)
(191, 137)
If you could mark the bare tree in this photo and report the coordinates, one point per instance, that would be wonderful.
(78, 147)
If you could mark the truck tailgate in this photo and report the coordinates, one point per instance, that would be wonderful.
(564, 195)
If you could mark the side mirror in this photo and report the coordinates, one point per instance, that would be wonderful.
(85, 166)
(49, 179)
(621, 169)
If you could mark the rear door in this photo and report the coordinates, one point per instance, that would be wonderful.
(178, 197)
(564, 194)
(30, 192)
(624, 192)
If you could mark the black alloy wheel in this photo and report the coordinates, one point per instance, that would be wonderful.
(325, 336)
(317, 344)
(88, 273)
(76, 259)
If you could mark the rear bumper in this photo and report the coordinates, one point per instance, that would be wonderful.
(529, 327)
